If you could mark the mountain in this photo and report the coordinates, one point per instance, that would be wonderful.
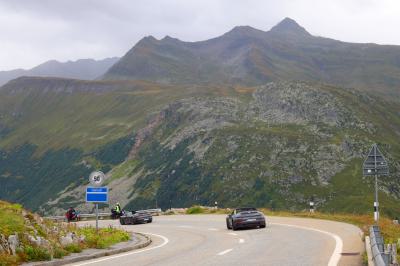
(80, 69)
(247, 56)
(274, 145)
(175, 123)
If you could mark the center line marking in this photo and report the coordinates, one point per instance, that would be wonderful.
(213, 229)
(224, 252)
(241, 241)
(233, 234)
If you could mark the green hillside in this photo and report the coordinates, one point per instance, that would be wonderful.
(274, 145)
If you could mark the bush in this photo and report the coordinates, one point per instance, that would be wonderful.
(7, 260)
(59, 253)
(37, 253)
(195, 210)
(73, 248)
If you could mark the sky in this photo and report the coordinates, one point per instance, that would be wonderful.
(34, 31)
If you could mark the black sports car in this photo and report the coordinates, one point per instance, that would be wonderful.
(245, 218)
(135, 217)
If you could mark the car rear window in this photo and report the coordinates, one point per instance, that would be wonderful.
(245, 209)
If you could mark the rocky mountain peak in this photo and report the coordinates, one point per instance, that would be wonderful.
(289, 26)
(244, 31)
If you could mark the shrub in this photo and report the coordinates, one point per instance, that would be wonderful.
(37, 253)
(195, 210)
(7, 260)
(73, 248)
(59, 253)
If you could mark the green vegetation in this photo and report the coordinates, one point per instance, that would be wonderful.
(104, 238)
(33, 180)
(11, 219)
(195, 210)
(40, 240)
(212, 143)
(206, 210)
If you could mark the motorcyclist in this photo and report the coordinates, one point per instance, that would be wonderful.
(116, 212)
(71, 214)
(118, 208)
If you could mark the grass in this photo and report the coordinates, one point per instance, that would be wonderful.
(15, 220)
(205, 210)
(105, 238)
(11, 220)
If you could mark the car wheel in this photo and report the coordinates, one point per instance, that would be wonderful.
(234, 227)
(151, 220)
(228, 225)
(262, 225)
(122, 221)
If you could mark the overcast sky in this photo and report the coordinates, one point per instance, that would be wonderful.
(32, 32)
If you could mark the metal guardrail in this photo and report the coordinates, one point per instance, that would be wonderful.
(102, 216)
(379, 255)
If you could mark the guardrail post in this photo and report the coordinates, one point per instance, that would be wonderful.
(394, 254)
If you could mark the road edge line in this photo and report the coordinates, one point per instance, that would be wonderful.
(165, 241)
(336, 254)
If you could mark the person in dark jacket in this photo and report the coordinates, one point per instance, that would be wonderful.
(70, 214)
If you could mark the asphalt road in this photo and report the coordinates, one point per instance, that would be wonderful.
(204, 240)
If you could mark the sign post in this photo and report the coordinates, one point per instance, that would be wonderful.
(97, 194)
(375, 165)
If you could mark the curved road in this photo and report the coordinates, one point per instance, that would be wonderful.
(204, 240)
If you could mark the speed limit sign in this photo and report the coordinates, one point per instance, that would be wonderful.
(96, 178)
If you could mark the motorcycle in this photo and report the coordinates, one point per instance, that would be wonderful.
(72, 216)
(116, 215)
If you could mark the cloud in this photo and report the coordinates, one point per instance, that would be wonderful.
(32, 32)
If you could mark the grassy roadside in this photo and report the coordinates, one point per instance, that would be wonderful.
(26, 237)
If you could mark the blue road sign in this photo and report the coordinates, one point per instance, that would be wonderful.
(97, 194)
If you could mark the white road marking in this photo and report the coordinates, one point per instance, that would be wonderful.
(213, 229)
(335, 257)
(165, 241)
(241, 241)
(233, 234)
(224, 252)
(185, 226)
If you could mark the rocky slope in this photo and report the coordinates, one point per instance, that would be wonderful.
(275, 145)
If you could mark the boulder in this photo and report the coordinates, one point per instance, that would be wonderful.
(66, 240)
(36, 241)
(4, 246)
(13, 242)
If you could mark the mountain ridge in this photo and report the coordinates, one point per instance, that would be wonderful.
(251, 57)
(87, 69)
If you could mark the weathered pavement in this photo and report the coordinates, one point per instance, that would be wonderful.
(204, 240)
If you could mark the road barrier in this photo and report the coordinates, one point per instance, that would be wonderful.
(381, 255)
(102, 216)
